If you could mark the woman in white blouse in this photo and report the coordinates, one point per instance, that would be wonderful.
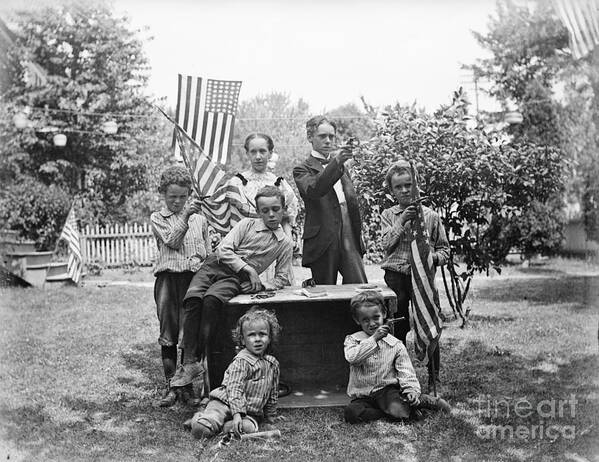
(259, 149)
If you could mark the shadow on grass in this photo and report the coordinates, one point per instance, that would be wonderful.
(474, 374)
(145, 358)
(83, 430)
(583, 290)
(484, 384)
(540, 271)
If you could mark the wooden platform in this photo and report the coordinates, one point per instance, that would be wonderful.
(310, 350)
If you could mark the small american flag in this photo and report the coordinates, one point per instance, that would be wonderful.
(219, 211)
(424, 309)
(209, 183)
(581, 18)
(205, 174)
(70, 233)
(206, 112)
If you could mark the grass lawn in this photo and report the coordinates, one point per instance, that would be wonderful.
(80, 370)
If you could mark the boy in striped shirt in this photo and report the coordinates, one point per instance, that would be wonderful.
(382, 381)
(249, 391)
(183, 243)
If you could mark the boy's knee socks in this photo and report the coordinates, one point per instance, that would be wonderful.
(169, 360)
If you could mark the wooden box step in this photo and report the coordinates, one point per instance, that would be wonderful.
(32, 258)
(57, 268)
(36, 276)
(63, 277)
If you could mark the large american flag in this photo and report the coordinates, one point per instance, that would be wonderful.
(581, 18)
(206, 112)
(70, 233)
(424, 309)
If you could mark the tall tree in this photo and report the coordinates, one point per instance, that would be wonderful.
(97, 72)
(529, 62)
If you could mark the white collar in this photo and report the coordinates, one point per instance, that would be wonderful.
(318, 155)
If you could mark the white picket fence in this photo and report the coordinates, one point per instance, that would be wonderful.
(118, 245)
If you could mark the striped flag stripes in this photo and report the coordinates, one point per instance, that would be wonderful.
(424, 309)
(581, 18)
(219, 212)
(206, 112)
(208, 182)
(70, 233)
(205, 174)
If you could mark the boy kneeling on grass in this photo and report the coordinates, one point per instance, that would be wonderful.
(249, 391)
(382, 381)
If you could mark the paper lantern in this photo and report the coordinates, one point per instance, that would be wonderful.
(20, 120)
(513, 117)
(60, 140)
(110, 127)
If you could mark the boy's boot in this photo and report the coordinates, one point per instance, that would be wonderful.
(169, 396)
(434, 403)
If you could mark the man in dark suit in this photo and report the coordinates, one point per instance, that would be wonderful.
(332, 229)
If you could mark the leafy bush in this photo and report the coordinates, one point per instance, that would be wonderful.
(492, 195)
(36, 210)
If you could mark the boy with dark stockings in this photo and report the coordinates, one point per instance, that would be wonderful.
(183, 244)
(249, 248)
(396, 240)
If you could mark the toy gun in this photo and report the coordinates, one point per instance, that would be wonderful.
(351, 144)
(390, 322)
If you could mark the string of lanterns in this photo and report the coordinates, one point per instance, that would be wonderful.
(110, 127)
(59, 139)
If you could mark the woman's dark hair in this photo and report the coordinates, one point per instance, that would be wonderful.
(269, 142)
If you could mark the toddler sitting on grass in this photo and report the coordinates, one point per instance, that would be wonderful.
(382, 381)
(249, 391)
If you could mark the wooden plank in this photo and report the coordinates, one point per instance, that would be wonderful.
(293, 295)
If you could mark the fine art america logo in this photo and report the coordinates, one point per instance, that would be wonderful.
(545, 414)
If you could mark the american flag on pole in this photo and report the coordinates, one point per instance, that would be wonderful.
(219, 211)
(581, 18)
(206, 112)
(205, 174)
(70, 233)
(424, 309)
(216, 195)
(209, 183)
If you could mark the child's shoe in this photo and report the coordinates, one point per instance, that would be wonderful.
(168, 397)
(434, 403)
